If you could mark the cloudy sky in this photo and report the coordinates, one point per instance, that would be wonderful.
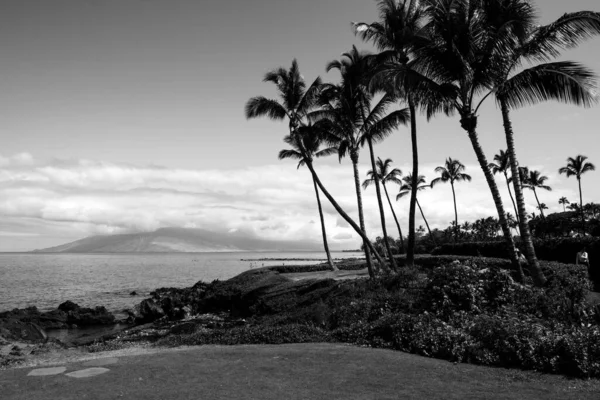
(127, 115)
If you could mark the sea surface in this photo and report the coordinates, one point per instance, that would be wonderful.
(46, 280)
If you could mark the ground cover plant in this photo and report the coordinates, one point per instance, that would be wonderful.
(469, 310)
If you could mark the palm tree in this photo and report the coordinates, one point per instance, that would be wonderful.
(502, 165)
(563, 200)
(399, 29)
(533, 179)
(356, 122)
(386, 174)
(576, 167)
(296, 102)
(306, 146)
(542, 207)
(465, 44)
(452, 172)
(406, 188)
(568, 82)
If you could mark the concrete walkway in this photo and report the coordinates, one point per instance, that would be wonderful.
(298, 371)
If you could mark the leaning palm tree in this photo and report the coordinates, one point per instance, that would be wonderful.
(306, 146)
(386, 175)
(296, 102)
(348, 106)
(502, 165)
(452, 172)
(576, 167)
(534, 180)
(406, 189)
(564, 201)
(399, 29)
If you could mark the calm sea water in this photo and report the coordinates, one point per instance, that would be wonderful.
(46, 280)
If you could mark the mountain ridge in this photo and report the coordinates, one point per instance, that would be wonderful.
(178, 240)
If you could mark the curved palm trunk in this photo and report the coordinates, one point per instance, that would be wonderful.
(361, 217)
(346, 217)
(455, 213)
(410, 251)
(426, 224)
(380, 203)
(581, 207)
(325, 245)
(394, 214)
(511, 197)
(489, 177)
(538, 202)
(534, 266)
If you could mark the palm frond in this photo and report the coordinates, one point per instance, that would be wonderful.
(385, 126)
(565, 81)
(260, 106)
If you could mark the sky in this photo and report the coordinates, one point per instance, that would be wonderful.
(128, 115)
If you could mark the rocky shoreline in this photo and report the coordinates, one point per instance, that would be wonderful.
(25, 333)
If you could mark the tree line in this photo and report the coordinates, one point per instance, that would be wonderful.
(435, 57)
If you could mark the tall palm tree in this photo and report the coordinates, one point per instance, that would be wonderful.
(357, 122)
(533, 179)
(406, 189)
(564, 201)
(386, 174)
(576, 167)
(523, 42)
(296, 102)
(399, 29)
(452, 171)
(502, 165)
(307, 146)
(464, 45)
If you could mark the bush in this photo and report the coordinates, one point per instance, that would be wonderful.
(561, 250)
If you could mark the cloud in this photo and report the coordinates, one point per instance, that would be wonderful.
(271, 201)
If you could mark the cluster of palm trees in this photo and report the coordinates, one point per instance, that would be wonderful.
(434, 56)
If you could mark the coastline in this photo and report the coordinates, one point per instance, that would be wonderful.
(71, 329)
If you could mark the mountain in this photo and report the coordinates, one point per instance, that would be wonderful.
(178, 240)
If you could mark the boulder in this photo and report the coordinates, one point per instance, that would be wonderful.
(27, 331)
(147, 311)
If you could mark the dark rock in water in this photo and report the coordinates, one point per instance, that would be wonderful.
(134, 293)
(68, 306)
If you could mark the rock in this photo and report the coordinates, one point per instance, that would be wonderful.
(184, 328)
(18, 330)
(134, 293)
(68, 306)
(147, 311)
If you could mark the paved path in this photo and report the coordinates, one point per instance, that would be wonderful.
(299, 371)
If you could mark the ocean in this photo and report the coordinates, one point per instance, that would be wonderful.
(100, 279)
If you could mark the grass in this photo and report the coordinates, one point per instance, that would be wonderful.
(295, 371)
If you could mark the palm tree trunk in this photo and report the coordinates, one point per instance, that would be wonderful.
(426, 224)
(455, 214)
(346, 217)
(538, 202)
(361, 217)
(581, 207)
(489, 177)
(394, 214)
(410, 251)
(534, 266)
(325, 245)
(381, 212)
(511, 197)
